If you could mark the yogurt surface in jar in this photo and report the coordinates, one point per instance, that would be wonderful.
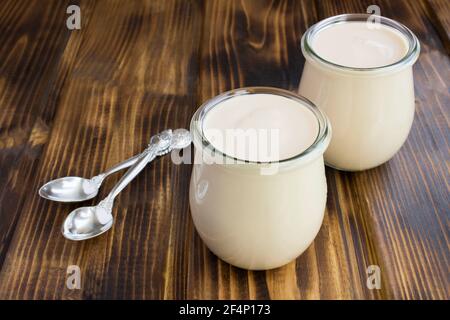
(261, 122)
(354, 44)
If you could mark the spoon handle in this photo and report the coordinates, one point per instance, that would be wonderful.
(142, 160)
(157, 143)
(122, 165)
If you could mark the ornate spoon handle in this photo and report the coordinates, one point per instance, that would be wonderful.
(98, 179)
(157, 143)
(122, 165)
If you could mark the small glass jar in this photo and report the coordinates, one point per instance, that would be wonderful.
(371, 109)
(251, 218)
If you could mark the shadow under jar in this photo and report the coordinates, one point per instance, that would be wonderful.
(258, 214)
(360, 74)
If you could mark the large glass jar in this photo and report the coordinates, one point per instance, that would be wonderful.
(257, 215)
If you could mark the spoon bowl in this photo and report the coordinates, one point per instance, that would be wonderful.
(68, 189)
(83, 223)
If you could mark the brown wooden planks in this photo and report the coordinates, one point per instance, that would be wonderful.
(439, 16)
(134, 75)
(33, 40)
(93, 97)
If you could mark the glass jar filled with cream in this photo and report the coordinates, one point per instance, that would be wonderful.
(358, 71)
(258, 188)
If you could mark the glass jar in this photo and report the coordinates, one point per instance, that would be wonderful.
(370, 109)
(257, 215)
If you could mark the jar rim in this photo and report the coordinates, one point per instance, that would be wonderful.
(408, 59)
(317, 147)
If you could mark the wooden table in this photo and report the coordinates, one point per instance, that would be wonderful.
(76, 102)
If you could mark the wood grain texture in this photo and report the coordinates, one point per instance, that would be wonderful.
(33, 46)
(76, 102)
(439, 15)
(134, 75)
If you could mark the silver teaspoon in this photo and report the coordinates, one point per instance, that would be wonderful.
(76, 189)
(88, 222)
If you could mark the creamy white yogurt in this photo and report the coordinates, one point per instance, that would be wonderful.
(354, 44)
(253, 119)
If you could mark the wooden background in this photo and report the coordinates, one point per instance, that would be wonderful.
(76, 102)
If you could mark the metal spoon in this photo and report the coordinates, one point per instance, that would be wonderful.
(88, 222)
(76, 189)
